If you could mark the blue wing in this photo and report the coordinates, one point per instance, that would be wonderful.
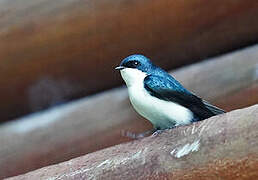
(169, 89)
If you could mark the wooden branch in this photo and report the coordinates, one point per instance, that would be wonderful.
(55, 48)
(222, 147)
(96, 122)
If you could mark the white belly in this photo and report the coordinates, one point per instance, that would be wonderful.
(162, 114)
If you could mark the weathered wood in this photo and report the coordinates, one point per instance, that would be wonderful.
(52, 51)
(96, 122)
(222, 147)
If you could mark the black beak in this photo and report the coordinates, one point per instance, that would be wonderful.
(119, 67)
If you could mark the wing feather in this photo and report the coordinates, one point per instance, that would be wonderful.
(171, 90)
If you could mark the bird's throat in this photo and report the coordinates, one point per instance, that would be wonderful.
(132, 77)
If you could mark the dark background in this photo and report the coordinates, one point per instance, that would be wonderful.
(54, 51)
(57, 58)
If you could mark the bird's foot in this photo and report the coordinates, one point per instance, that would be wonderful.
(132, 135)
(135, 135)
(156, 132)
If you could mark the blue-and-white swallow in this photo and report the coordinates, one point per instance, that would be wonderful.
(159, 97)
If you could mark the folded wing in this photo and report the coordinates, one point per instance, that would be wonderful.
(166, 89)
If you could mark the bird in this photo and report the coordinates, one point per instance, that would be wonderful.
(159, 97)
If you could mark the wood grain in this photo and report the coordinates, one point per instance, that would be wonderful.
(221, 147)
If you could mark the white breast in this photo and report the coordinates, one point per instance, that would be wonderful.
(162, 114)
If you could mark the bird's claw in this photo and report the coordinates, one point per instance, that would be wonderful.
(156, 133)
(132, 135)
(135, 135)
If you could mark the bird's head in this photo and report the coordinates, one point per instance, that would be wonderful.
(135, 68)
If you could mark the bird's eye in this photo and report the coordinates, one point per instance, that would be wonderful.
(135, 63)
(132, 64)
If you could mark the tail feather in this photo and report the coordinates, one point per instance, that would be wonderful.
(213, 108)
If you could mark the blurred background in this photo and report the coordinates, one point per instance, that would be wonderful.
(58, 84)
